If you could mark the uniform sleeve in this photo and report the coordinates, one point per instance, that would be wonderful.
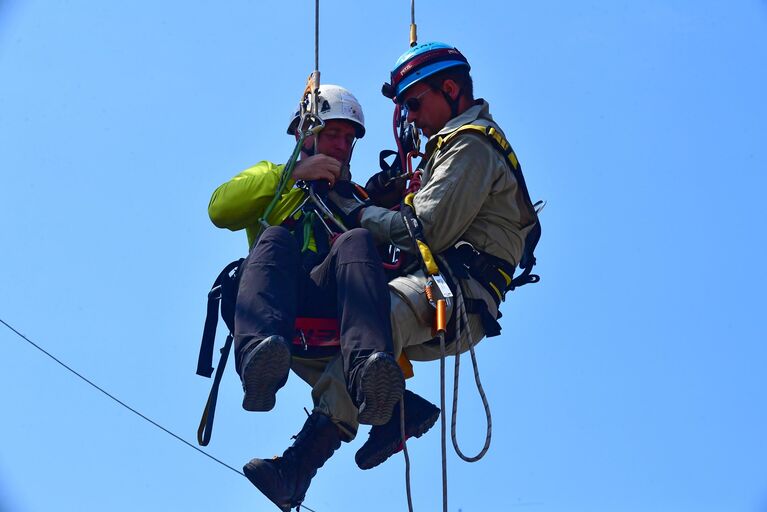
(461, 177)
(241, 201)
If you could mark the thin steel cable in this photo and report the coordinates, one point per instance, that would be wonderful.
(316, 36)
(131, 409)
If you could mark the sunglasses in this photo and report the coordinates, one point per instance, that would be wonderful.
(414, 104)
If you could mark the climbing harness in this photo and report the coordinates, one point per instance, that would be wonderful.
(497, 274)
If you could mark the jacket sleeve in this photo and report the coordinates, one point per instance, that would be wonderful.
(241, 201)
(460, 178)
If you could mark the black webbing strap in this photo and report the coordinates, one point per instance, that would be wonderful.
(223, 293)
(462, 270)
(527, 262)
(205, 429)
(489, 324)
(205, 358)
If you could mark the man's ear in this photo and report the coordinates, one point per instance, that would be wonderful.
(451, 88)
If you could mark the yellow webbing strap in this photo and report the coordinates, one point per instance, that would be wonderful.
(487, 131)
(406, 366)
(426, 255)
(428, 259)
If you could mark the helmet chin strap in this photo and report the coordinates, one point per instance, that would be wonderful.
(452, 103)
(346, 174)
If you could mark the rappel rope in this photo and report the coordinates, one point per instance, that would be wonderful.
(405, 453)
(309, 123)
(443, 443)
(460, 307)
(402, 156)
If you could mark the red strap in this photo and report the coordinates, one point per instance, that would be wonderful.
(317, 332)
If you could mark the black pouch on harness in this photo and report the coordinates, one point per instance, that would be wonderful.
(222, 294)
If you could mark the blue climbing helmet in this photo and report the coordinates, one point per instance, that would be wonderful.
(419, 62)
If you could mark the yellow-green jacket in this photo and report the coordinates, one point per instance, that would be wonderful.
(240, 202)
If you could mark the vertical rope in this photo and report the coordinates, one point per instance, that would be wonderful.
(413, 28)
(442, 419)
(315, 93)
(463, 319)
(404, 451)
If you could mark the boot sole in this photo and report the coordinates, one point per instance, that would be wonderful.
(253, 474)
(377, 457)
(382, 386)
(265, 372)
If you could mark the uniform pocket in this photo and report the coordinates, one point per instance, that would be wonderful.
(411, 289)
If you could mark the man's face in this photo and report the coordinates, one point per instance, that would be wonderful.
(336, 140)
(432, 113)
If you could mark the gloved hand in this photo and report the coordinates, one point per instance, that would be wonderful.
(346, 204)
(384, 191)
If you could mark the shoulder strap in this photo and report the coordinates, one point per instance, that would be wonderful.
(491, 133)
(527, 262)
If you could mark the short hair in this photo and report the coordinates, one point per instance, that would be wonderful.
(459, 75)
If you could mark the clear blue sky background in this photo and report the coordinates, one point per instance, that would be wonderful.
(632, 378)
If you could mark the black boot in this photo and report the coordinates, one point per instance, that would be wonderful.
(386, 440)
(284, 480)
(377, 386)
(264, 367)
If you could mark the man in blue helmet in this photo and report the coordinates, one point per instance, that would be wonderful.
(474, 210)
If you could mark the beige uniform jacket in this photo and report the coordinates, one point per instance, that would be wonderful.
(468, 194)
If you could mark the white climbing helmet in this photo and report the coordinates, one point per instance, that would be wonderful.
(335, 102)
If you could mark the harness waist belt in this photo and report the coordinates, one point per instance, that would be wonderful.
(493, 273)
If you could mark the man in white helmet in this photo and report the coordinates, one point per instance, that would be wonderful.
(297, 269)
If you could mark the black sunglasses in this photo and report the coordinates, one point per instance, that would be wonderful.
(414, 104)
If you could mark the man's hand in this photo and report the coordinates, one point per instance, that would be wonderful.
(317, 167)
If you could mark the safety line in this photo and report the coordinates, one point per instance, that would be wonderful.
(408, 491)
(134, 411)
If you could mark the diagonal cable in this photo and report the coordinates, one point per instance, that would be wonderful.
(114, 398)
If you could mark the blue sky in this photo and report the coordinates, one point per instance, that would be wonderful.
(630, 379)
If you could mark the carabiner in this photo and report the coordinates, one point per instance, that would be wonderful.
(310, 124)
(324, 210)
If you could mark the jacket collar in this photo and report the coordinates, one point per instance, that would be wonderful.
(480, 110)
